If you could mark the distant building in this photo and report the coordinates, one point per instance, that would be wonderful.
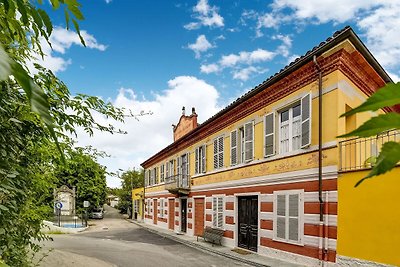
(137, 203)
(112, 200)
(253, 169)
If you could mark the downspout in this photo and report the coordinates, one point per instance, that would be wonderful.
(321, 201)
(144, 194)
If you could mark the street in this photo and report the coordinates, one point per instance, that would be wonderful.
(114, 241)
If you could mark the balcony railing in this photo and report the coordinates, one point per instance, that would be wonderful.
(178, 184)
(361, 153)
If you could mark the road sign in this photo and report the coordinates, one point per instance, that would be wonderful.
(86, 204)
(58, 205)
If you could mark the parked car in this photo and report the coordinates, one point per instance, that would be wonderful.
(97, 213)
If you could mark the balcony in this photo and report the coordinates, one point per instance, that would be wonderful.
(178, 184)
(361, 153)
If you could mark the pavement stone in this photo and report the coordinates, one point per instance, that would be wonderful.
(252, 259)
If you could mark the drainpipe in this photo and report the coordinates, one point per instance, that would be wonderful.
(144, 193)
(321, 202)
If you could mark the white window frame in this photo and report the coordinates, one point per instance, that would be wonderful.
(218, 163)
(300, 217)
(200, 159)
(162, 173)
(290, 127)
(215, 222)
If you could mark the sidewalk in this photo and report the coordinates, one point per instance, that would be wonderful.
(252, 259)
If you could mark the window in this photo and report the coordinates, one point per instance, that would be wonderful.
(295, 126)
(156, 181)
(170, 168)
(288, 215)
(242, 145)
(162, 173)
(183, 170)
(200, 159)
(161, 208)
(148, 177)
(218, 212)
(153, 176)
(219, 152)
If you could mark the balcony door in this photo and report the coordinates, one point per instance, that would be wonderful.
(184, 171)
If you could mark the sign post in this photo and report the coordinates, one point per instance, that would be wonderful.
(58, 205)
(86, 205)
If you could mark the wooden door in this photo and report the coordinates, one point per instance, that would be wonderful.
(248, 222)
(171, 214)
(155, 209)
(198, 216)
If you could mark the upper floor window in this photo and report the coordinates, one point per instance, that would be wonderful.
(162, 173)
(242, 144)
(170, 167)
(290, 129)
(294, 128)
(200, 159)
(218, 152)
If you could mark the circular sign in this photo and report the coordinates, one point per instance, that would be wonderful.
(58, 205)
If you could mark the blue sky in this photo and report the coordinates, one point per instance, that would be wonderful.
(162, 55)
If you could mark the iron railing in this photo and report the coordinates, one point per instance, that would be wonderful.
(177, 182)
(361, 153)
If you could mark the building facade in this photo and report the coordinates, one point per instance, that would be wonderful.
(137, 204)
(268, 168)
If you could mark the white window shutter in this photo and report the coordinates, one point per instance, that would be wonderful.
(187, 164)
(167, 165)
(221, 152)
(215, 212)
(293, 234)
(281, 216)
(248, 141)
(216, 154)
(179, 166)
(234, 150)
(306, 121)
(220, 212)
(269, 146)
(197, 161)
(203, 159)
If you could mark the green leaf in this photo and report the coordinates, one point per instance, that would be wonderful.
(387, 160)
(66, 18)
(387, 96)
(22, 11)
(5, 64)
(55, 4)
(78, 32)
(376, 125)
(2, 207)
(74, 6)
(46, 21)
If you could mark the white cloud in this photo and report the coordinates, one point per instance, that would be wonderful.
(209, 68)
(201, 45)
(378, 20)
(205, 15)
(62, 40)
(244, 74)
(284, 48)
(395, 77)
(108, 1)
(245, 57)
(153, 132)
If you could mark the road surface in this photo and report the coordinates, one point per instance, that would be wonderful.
(114, 241)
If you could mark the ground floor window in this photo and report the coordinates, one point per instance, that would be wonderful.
(218, 212)
(288, 216)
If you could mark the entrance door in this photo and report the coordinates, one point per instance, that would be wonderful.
(171, 214)
(155, 208)
(248, 222)
(183, 214)
(198, 216)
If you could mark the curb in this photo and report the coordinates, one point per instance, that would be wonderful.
(199, 247)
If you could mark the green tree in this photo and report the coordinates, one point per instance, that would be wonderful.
(89, 177)
(389, 156)
(33, 124)
(130, 179)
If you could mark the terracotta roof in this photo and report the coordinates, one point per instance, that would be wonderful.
(340, 35)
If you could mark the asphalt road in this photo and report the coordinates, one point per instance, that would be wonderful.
(115, 242)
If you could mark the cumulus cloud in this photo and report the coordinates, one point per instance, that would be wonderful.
(62, 40)
(152, 132)
(210, 68)
(205, 15)
(245, 73)
(377, 20)
(201, 45)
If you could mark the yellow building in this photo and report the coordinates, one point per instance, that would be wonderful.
(137, 203)
(270, 171)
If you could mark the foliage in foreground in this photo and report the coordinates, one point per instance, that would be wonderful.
(35, 114)
(389, 156)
